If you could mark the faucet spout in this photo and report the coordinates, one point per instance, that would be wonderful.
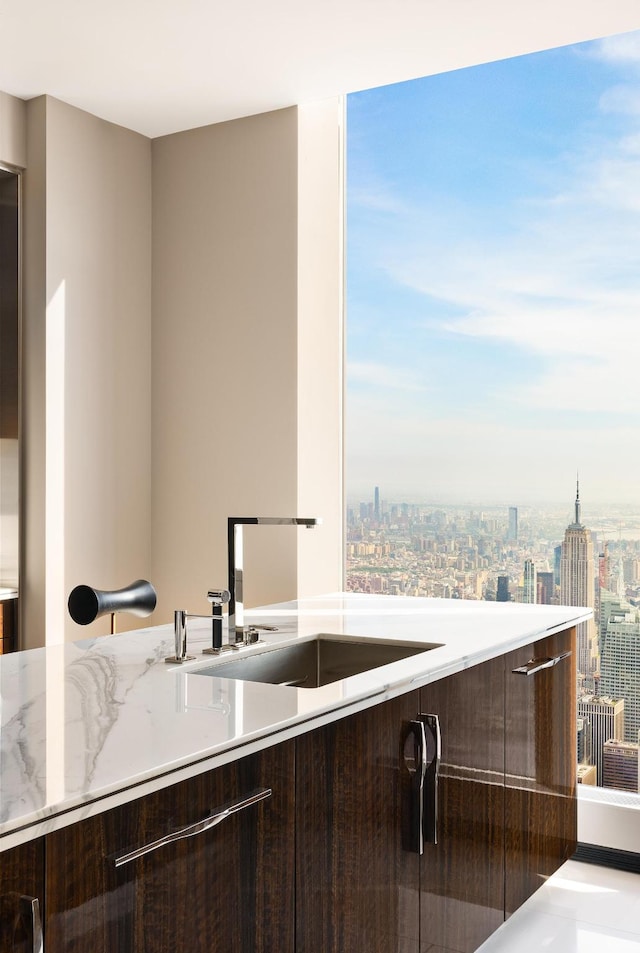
(235, 561)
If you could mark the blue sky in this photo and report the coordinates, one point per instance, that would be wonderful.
(493, 281)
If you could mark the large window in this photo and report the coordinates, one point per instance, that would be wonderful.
(493, 292)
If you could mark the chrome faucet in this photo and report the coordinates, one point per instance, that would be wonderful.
(237, 629)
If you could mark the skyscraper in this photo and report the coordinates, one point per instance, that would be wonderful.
(376, 504)
(604, 568)
(557, 556)
(606, 717)
(620, 765)
(584, 741)
(545, 588)
(502, 594)
(620, 660)
(577, 584)
(529, 581)
(512, 532)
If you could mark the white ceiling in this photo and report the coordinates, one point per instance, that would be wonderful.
(158, 66)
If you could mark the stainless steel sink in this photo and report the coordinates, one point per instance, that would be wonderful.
(315, 662)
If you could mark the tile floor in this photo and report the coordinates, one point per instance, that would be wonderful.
(581, 909)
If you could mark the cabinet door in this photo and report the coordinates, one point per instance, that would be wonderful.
(462, 875)
(226, 889)
(540, 814)
(356, 885)
(21, 895)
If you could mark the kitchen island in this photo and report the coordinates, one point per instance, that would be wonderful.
(97, 733)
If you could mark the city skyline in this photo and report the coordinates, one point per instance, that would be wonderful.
(502, 554)
(608, 520)
(566, 547)
(493, 279)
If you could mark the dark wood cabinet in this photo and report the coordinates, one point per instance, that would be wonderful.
(361, 885)
(356, 887)
(505, 810)
(462, 875)
(540, 806)
(21, 897)
(226, 889)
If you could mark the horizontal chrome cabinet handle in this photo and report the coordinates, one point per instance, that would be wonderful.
(537, 664)
(30, 911)
(192, 830)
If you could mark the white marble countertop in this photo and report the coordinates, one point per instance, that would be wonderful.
(92, 724)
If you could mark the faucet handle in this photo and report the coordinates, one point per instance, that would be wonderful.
(218, 597)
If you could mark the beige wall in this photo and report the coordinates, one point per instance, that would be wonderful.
(33, 435)
(13, 131)
(87, 324)
(234, 328)
(320, 339)
(141, 438)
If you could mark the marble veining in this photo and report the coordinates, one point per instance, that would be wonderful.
(95, 723)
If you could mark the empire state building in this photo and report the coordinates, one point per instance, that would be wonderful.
(577, 585)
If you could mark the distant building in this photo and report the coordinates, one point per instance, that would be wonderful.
(376, 504)
(529, 594)
(557, 558)
(620, 660)
(586, 774)
(545, 588)
(502, 592)
(631, 571)
(577, 585)
(620, 765)
(584, 741)
(512, 532)
(606, 717)
(604, 569)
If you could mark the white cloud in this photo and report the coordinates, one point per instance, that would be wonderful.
(556, 332)
(376, 198)
(563, 283)
(623, 99)
(630, 144)
(572, 385)
(623, 49)
(384, 377)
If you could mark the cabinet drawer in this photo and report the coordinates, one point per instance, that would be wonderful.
(203, 887)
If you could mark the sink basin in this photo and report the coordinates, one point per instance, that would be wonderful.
(315, 662)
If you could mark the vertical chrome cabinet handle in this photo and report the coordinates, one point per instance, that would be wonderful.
(432, 755)
(537, 664)
(193, 829)
(414, 758)
(30, 911)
